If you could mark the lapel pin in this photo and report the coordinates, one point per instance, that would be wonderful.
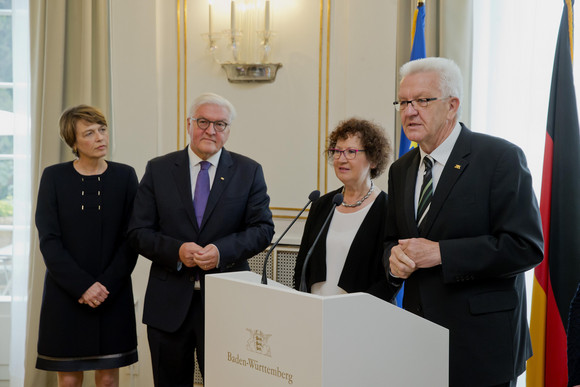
(457, 166)
(221, 178)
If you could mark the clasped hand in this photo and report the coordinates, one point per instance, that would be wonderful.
(412, 254)
(95, 295)
(192, 254)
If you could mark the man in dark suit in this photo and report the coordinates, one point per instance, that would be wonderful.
(462, 229)
(185, 238)
(574, 341)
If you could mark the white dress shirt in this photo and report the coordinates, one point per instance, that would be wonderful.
(439, 156)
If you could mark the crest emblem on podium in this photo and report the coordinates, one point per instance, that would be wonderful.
(258, 342)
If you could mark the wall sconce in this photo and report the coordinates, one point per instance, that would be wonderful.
(244, 50)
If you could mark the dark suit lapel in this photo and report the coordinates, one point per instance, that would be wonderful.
(409, 194)
(221, 180)
(182, 179)
(456, 164)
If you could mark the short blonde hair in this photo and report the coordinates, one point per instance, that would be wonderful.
(71, 116)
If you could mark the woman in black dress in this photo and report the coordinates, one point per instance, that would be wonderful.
(87, 318)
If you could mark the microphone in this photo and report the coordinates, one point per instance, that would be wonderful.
(336, 200)
(314, 195)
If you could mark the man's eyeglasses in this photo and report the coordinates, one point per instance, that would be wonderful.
(349, 153)
(203, 124)
(417, 103)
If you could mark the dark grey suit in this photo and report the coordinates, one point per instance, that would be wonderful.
(486, 219)
(237, 220)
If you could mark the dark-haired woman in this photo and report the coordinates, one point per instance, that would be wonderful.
(348, 256)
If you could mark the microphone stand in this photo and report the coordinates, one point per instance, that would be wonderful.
(314, 195)
(336, 200)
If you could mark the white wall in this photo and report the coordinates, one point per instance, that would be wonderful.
(335, 65)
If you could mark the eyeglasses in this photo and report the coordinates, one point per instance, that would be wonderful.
(203, 124)
(418, 103)
(349, 153)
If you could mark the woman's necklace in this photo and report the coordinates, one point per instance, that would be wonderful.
(362, 200)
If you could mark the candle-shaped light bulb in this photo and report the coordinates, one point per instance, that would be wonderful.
(267, 15)
(210, 10)
(233, 17)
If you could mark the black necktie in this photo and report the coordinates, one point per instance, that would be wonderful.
(426, 192)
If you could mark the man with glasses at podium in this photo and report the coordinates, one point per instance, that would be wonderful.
(463, 226)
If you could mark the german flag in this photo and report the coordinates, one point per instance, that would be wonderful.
(557, 277)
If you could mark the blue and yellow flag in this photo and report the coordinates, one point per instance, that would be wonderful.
(417, 52)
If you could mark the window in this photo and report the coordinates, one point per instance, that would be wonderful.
(6, 148)
(15, 186)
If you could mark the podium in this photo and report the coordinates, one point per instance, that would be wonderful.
(272, 335)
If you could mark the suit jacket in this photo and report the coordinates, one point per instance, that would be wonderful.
(485, 216)
(83, 239)
(574, 340)
(363, 270)
(237, 220)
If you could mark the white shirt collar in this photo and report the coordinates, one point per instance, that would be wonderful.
(443, 151)
(194, 159)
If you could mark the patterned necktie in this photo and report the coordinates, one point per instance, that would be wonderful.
(201, 191)
(426, 192)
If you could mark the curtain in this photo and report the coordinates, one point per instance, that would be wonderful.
(69, 65)
(514, 46)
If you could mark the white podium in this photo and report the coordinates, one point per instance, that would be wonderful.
(272, 335)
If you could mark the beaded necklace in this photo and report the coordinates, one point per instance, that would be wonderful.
(358, 203)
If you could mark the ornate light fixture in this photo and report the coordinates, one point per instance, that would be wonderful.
(244, 50)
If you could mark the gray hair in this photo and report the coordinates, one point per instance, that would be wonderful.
(450, 78)
(213, 99)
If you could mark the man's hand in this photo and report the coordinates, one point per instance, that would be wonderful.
(423, 252)
(401, 265)
(412, 254)
(207, 258)
(187, 253)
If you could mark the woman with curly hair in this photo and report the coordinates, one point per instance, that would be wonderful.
(348, 256)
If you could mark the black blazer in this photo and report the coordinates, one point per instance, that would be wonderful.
(237, 220)
(574, 340)
(485, 216)
(363, 270)
(82, 244)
